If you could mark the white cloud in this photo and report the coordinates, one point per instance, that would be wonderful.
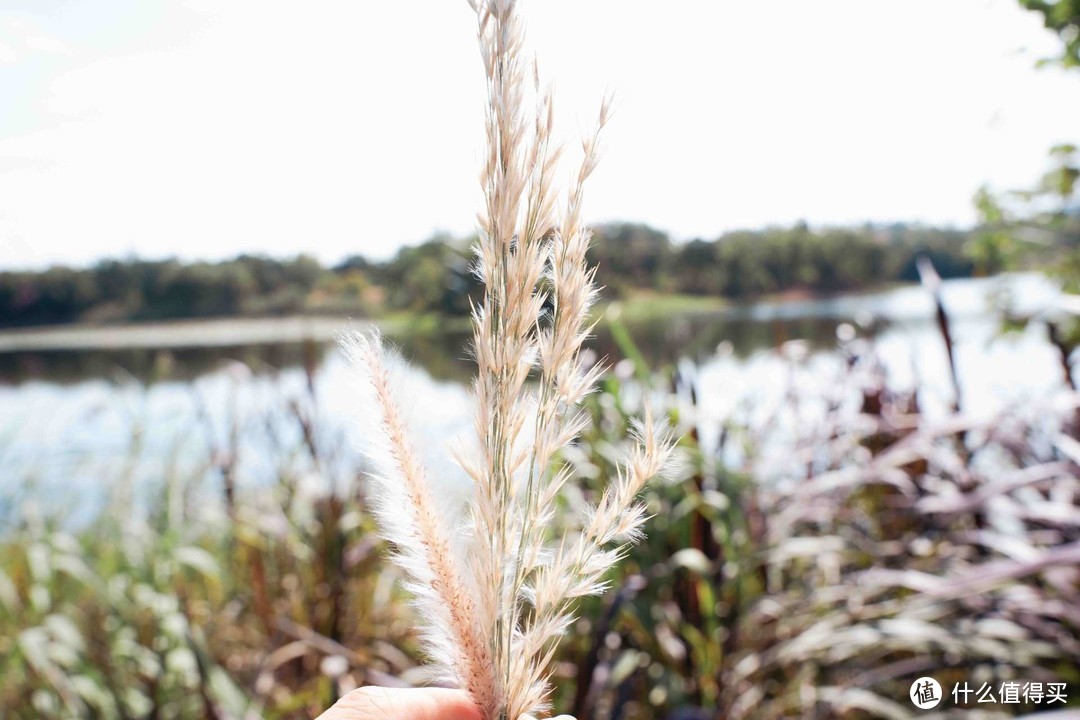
(45, 44)
(355, 127)
(24, 39)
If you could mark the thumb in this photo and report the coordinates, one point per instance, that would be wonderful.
(374, 703)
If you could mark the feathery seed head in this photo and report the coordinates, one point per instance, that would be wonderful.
(530, 256)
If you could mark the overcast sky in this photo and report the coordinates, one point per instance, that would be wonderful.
(204, 128)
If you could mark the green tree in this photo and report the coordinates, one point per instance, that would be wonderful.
(1063, 18)
(1044, 220)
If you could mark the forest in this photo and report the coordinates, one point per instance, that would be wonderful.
(436, 276)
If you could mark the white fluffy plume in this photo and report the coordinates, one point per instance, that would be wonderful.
(413, 518)
(494, 587)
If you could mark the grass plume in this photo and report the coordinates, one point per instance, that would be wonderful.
(496, 606)
(412, 519)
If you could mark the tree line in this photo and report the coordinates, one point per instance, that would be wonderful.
(436, 276)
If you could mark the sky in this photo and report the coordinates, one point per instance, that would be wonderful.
(202, 128)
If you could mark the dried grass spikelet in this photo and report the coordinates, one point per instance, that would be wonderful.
(495, 606)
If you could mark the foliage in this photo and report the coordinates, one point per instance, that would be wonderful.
(157, 290)
(1063, 18)
(809, 562)
(437, 276)
(1041, 225)
(885, 546)
(189, 607)
(746, 264)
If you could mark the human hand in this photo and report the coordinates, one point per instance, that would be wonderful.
(375, 703)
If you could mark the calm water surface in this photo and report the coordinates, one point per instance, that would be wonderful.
(72, 422)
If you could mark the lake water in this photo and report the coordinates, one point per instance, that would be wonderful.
(144, 406)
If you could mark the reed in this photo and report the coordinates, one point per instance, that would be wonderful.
(496, 588)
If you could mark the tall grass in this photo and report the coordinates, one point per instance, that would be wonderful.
(885, 545)
(888, 544)
(495, 587)
(228, 602)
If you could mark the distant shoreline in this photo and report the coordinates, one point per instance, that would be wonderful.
(297, 329)
(202, 332)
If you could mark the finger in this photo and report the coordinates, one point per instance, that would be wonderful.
(373, 703)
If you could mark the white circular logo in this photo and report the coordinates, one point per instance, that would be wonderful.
(925, 693)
